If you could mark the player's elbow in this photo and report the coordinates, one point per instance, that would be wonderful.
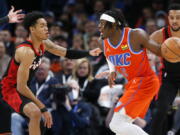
(159, 53)
(20, 87)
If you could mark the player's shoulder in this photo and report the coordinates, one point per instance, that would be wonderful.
(157, 32)
(25, 51)
(157, 36)
(138, 32)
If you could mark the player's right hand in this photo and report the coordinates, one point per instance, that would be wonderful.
(111, 79)
(47, 119)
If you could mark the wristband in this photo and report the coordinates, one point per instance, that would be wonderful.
(4, 20)
(44, 110)
(76, 54)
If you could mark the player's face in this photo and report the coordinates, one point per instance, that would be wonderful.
(41, 29)
(174, 19)
(103, 30)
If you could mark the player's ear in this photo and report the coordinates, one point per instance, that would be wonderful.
(31, 28)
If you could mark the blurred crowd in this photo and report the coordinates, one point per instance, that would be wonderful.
(80, 103)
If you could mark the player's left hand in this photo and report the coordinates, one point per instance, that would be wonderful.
(15, 16)
(47, 119)
(111, 79)
(95, 52)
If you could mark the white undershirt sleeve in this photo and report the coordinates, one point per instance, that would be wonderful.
(110, 65)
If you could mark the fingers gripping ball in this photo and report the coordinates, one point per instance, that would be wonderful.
(170, 49)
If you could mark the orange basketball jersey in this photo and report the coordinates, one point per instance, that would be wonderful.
(126, 61)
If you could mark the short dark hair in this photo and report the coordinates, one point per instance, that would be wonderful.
(117, 14)
(174, 6)
(31, 19)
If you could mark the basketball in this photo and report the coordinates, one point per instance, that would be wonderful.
(170, 49)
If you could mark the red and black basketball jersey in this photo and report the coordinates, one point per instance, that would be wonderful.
(10, 78)
(169, 70)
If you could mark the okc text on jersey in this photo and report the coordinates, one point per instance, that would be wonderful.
(120, 59)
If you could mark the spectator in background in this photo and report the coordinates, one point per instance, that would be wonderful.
(4, 59)
(157, 5)
(89, 87)
(20, 31)
(50, 17)
(90, 29)
(150, 26)
(20, 34)
(98, 61)
(146, 14)
(161, 19)
(66, 20)
(98, 8)
(56, 30)
(66, 73)
(6, 37)
(73, 116)
(62, 121)
(78, 42)
(79, 19)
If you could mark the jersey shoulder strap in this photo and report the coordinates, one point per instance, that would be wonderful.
(25, 43)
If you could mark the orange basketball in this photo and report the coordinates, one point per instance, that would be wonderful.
(170, 49)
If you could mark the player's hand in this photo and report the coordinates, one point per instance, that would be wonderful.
(47, 119)
(95, 52)
(104, 74)
(15, 16)
(111, 79)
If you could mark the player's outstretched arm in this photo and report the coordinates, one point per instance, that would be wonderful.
(148, 43)
(25, 57)
(69, 53)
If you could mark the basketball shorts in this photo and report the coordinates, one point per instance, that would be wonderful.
(5, 117)
(15, 99)
(138, 95)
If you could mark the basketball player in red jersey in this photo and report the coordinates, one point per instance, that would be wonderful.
(15, 83)
(169, 73)
(12, 17)
(125, 51)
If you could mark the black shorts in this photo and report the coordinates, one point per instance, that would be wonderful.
(5, 117)
(6, 111)
(25, 101)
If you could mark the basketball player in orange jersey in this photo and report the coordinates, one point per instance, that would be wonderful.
(125, 51)
(15, 83)
(170, 72)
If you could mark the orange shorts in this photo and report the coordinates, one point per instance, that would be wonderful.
(138, 95)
